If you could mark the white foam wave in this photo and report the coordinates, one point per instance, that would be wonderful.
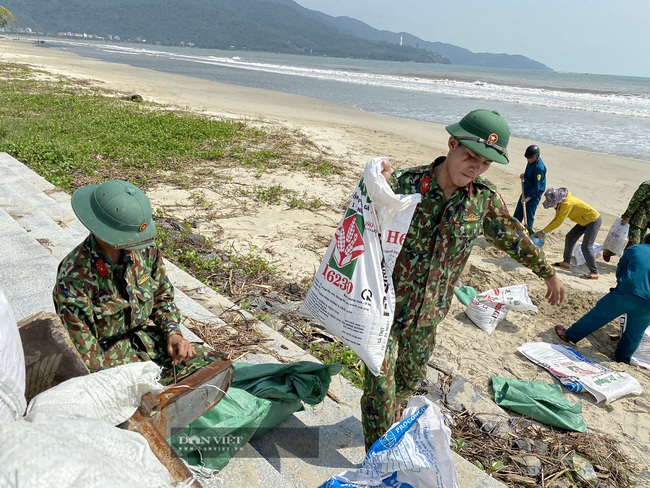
(609, 103)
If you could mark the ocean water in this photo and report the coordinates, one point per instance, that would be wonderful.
(598, 113)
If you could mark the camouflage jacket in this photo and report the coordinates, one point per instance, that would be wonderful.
(638, 210)
(440, 240)
(98, 300)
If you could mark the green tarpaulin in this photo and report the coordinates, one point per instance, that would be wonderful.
(538, 401)
(260, 397)
(465, 294)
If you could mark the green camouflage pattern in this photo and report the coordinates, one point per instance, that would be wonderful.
(434, 253)
(638, 214)
(97, 300)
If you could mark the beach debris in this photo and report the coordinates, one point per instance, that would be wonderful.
(577, 372)
(489, 308)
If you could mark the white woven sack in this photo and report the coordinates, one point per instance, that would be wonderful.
(112, 394)
(641, 356)
(12, 365)
(489, 308)
(49, 451)
(352, 294)
(617, 238)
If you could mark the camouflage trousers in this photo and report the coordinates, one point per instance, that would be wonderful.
(405, 365)
(635, 235)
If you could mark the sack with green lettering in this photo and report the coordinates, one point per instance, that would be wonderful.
(352, 294)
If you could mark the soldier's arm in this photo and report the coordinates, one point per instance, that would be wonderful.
(508, 234)
(165, 313)
(75, 309)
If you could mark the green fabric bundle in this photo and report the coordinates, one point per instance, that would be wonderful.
(538, 401)
(260, 397)
(465, 294)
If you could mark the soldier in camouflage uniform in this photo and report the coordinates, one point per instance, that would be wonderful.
(457, 206)
(112, 292)
(637, 215)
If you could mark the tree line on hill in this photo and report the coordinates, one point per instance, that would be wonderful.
(280, 26)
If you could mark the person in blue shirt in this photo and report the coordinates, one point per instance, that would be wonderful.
(630, 296)
(534, 186)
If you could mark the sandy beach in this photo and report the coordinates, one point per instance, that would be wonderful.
(295, 240)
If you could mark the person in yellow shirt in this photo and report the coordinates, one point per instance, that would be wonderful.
(587, 221)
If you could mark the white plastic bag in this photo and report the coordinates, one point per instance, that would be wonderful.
(617, 238)
(352, 295)
(489, 308)
(577, 372)
(596, 250)
(414, 452)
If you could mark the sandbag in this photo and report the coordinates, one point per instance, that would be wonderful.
(489, 308)
(577, 372)
(414, 452)
(68, 437)
(352, 294)
(641, 356)
(617, 238)
(112, 395)
(50, 451)
(12, 365)
(596, 250)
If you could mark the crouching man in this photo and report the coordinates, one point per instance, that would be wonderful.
(112, 292)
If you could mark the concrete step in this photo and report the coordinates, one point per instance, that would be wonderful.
(38, 227)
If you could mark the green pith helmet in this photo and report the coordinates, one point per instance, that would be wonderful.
(484, 132)
(117, 212)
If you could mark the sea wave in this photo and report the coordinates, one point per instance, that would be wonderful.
(628, 105)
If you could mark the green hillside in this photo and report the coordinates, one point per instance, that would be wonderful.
(280, 26)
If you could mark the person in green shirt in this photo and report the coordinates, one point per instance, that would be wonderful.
(457, 206)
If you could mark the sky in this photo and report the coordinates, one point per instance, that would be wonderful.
(583, 36)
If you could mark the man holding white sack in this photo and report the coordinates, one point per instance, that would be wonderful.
(457, 206)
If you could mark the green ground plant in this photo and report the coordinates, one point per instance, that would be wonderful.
(74, 134)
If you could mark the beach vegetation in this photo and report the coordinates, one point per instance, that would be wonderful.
(74, 134)
(305, 202)
(337, 352)
(269, 194)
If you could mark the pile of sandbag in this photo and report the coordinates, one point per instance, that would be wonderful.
(69, 438)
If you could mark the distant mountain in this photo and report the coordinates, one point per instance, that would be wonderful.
(280, 26)
(457, 55)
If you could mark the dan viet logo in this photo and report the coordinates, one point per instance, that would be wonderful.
(185, 443)
(349, 243)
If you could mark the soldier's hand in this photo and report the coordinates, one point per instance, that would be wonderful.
(179, 348)
(386, 170)
(555, 291)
